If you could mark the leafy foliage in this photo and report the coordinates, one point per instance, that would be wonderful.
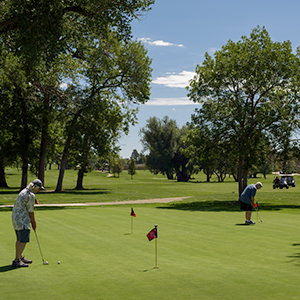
(249, 93)
(163, 140)
(88, 43)
(132, 167)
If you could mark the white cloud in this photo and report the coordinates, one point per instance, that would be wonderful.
(170, 101)
(63, 85)
(180, 80)
(159, 43)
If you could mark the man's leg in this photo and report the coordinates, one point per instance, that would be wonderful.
(248, 215)
(18, 263)
(19, 249)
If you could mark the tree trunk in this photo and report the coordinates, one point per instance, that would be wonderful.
(44, 141)
(242, 177)
(65, 154)
(245, 178)
(24, 172)
(3, 182)
(239, 176)
(79, 185)
(169, 175)
(207, 172)
(43, 151)
(24, 147)
(182, 176)
(63, 166)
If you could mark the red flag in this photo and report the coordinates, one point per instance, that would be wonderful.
(256, 205)
(152, 234)
(132, 213)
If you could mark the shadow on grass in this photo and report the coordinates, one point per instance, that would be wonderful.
(6, 268)
(70, 191)
(11, 192)
(295, 258)
(83, 191)
(59, 207)
(216, 205)
(147, 270)
(47, 208)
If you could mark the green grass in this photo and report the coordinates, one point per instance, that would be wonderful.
(204, 250)
(201, 255)
(99, 188)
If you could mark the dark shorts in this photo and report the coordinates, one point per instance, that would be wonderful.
(23, 236)
(245, 206)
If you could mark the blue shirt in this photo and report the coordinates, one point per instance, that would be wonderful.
(249, 191)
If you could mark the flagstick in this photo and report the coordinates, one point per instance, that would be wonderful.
(155, 249)
(256, 208)
(131, 224)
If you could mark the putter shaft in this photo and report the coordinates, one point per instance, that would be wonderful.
(39, 246)
(260, 220)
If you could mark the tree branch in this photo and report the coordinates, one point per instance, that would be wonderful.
(79, 10)
(9, 24)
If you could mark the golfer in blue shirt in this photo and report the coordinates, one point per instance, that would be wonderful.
(247, 200)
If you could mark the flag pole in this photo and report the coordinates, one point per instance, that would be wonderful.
(256, 208)
(132, 214)
(155, 226)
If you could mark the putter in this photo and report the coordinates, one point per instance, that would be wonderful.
(258, 216)
(44, 263)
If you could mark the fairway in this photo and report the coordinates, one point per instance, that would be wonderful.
(201, 254)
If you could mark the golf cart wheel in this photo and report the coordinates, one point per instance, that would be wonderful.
(287, 187)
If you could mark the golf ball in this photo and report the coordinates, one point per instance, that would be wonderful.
(58, 262)
(46, 263)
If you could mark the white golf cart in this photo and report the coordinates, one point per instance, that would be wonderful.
(284, 180)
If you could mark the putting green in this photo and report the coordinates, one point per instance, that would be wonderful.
(201, 255)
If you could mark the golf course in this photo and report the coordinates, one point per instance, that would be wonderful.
(204, 249)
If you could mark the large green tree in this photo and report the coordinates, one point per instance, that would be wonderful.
(18, 112)
(116, 74)
(159, 137)
(163, 140)
(249, 91)
(40, 30)
(44, 33)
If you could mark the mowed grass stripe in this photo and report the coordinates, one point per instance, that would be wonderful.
(201, 255)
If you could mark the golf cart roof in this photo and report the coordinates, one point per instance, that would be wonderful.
(285, 175)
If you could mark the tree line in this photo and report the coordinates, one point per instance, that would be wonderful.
(249, 93)
(72, 77)
(71, 80)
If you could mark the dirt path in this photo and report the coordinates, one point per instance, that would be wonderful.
(157, 200)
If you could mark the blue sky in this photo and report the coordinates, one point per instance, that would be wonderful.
(177, 34)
